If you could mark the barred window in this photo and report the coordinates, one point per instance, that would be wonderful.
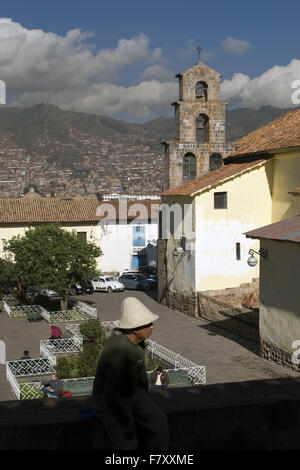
(189, 167)
(220, 200)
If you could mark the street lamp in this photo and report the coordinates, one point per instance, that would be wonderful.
(252, 260)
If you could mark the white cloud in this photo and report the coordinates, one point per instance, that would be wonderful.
(235, 46)
(141, 101)
(33, 60)
(157, 72)
(273, 87)
(67, 71)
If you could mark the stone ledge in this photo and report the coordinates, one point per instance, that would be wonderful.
(261, 414)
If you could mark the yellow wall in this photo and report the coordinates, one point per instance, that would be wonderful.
(93, 234)
(279, 313)
(249, 206)
(286, 178)
(255, 198)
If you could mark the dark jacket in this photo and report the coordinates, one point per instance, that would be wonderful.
(164, 378)
(56, 385)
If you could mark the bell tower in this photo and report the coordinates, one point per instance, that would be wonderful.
(199, 145)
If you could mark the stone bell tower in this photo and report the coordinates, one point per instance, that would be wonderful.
(199, 145)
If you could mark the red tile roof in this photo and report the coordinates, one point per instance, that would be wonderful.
(211, 178)
(68, 210)
(286, 230)
(282, 133)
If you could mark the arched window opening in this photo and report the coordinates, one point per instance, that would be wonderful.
(215, 161)
(202, 128)
(189, 167)
(201, 90)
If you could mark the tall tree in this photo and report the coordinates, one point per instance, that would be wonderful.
(50, 257)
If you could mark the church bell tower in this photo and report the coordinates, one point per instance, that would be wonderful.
(199, 145)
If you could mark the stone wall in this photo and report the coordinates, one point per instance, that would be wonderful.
(256, 415)
(245, 323)
(161, 270)
(273, 353)
(239, 291)
(182, 303)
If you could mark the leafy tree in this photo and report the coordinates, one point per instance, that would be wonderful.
(50, 257)
(7, 270)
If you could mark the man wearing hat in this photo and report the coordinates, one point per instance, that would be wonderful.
(120, 398)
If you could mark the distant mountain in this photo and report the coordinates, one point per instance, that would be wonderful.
(28, 124)
(242, 121)
(72, 153)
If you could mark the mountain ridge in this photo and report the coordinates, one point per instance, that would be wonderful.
(70, 153)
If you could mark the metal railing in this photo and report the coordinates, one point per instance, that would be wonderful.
(90, 312)
(18, 311)
(51, 347)
(210, 305)
(25, 368)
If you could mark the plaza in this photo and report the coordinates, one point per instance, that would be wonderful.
(227, 357)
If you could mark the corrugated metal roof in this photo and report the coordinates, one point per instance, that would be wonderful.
(286, 230)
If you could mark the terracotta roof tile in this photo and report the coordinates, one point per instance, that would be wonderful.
(211, 178)
(283, 132)
(64, 210)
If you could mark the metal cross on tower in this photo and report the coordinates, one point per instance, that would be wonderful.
(199, 49)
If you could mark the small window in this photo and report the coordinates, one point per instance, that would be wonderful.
(81, 235)
(189, 167)
(220, 200)
(238, 251)
(172, 223)
(160, 224)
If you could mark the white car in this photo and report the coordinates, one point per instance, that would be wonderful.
(107, 284)
(49, 293)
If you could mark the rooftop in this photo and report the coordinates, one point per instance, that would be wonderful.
(67, 209)
(282, 133)
(286, 230)
(212, 178)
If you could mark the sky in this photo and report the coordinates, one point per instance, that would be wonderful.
(118, 58)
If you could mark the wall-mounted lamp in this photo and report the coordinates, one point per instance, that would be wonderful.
(179, 249)
(252, 260)
(92, 233)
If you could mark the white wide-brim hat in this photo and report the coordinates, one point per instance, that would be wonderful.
(134, 314)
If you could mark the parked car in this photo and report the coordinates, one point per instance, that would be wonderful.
(107, 284)
(77, 288)
(148, 270)
(49, 293)
(137, 281)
